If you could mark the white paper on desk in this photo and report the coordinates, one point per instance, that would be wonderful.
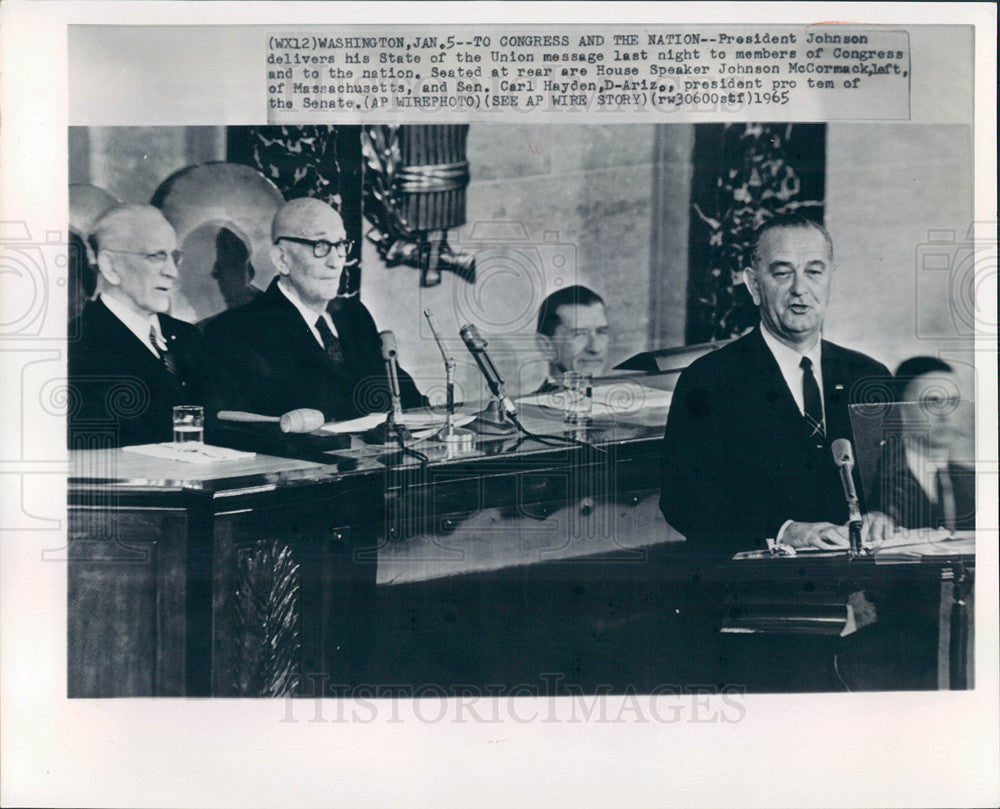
(613, 398)
(191, 452)
(411, 421)
(928, 542)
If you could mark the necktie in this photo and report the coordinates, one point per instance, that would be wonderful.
(946, 499)
(162, 351)
(330, 343)
(811, 399)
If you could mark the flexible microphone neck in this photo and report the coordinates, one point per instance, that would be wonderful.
(477, 347)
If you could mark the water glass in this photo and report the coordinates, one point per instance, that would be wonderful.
(189, 424)
(579, 391)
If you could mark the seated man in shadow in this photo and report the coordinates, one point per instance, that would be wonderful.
(297, 345)
(919, 484)
(129, 362)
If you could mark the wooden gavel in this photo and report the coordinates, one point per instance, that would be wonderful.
(303, 420)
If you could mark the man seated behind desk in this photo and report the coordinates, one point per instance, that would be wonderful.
(129, 362)
(573, 333)
(746, 450)
(297, 344)
(919, 484)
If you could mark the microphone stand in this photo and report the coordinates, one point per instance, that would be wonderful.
(494, 420)
(454, 437)
(854, 528)
(843, 457)
(390, 427)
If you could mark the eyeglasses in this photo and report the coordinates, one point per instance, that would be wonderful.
(321, 247)
(157, 259)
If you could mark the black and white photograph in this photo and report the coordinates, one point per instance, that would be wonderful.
(480, 390)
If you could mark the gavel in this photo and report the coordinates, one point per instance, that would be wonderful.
(303, 420)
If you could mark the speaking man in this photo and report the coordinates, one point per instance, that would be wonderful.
(746, 450)
(574, 334)
(297, 345)
(129, 362)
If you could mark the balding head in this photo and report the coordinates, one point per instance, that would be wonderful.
(306, 218)
(310, 249)
(122, 227)
(137, 257)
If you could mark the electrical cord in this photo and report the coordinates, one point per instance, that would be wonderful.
(409, 451)
(549, 439)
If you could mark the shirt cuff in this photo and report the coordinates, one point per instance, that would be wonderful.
(781, 531)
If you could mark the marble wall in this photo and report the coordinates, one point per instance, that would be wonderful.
(548, 206)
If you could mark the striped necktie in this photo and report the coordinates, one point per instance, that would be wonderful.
(813, 402)
(162, 350)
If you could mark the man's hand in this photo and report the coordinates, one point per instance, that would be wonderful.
(876, 529)
(824, 535)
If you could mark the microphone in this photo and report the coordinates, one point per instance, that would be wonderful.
(843, 457)
(477, 347)
(303, 420)
(384, 432)
(388, 340)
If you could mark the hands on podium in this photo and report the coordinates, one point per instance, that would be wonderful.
(876, 528)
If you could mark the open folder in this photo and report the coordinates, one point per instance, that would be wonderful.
(190, 452)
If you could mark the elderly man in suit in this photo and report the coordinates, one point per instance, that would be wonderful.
(746, 450)
(297, 344)
(129, 362)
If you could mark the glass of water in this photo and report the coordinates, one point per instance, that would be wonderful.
(578, 392)
(189, 424)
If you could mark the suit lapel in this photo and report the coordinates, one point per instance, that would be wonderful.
(836, 393)
(132, 354)
(301, 341)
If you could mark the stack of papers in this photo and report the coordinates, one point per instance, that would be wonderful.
(610, 399)
(191, 452)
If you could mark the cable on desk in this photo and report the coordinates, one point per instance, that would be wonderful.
(548, 439)
(424, 460)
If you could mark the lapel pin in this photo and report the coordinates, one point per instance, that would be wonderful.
(838, 387)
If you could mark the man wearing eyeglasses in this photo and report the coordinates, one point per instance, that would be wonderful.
(129, 362)
(297, 344)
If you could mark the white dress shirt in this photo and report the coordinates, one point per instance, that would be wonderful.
(924, 469)
(789, 360)
(309, 315)
(136, 323)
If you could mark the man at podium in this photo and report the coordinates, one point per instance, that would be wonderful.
(746, 450)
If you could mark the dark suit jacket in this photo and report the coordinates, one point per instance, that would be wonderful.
(738, 459)
(898, 494)
(121, 394)
(274, 363)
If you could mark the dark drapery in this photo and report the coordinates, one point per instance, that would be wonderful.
(310, 161)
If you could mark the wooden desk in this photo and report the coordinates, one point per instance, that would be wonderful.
(360, 566)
